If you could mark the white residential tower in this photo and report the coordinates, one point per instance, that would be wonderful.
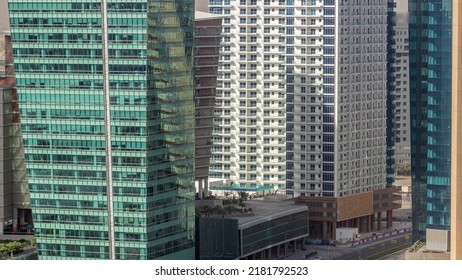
(302, 95)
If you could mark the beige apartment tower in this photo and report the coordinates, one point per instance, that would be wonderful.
(15, 206)
(456, 148)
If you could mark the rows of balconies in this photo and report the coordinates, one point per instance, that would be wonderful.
(259, 162)
(298, 111)
(259, 115)
(306, 180)
(278, 131)
(306, 154)
(249, 151)
(298, 129)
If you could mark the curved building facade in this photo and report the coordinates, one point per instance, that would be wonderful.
(107, 105)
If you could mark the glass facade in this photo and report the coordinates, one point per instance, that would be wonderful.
(232, 238)
(430, 75)
(217, 239)
(328, 108)
(265, 234)
(108, 122)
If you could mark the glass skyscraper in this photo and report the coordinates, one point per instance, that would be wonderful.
(106, 92)
(430, 39)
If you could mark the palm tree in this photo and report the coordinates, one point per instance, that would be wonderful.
(198, 213)
(243, 196)
(398, 168)
(242, 205)
(220, 210)
(407, 168)
(10, 248)
(207, 210)
(230, 209)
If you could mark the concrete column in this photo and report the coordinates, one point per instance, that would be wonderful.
(206, 187)
(278, 251)
(324, 230)
(199, 191)
(334, 231)
(285, 249)
(15, 219)
(22, 218)
(389, 218)
(358, 224)
(268, 254)
(369, 223)
(1, 227)
(379, 221)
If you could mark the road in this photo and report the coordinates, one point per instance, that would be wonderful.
(364, 251)
(395, 256)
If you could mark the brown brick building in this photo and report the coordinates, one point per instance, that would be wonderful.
(363, 211)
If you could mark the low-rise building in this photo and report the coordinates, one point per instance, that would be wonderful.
(264, 229)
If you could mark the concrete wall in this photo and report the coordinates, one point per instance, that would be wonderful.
(426, 256)
(437, 240)
(208, 202)
(344, 234)
(4, 19)
(401, 6)
(201, 5)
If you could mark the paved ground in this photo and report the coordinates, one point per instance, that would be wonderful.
(377, 247)
(395, 256)
(358, 252)
(403, 181)
(364, 250)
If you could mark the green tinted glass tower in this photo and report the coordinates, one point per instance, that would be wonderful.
(430, 48)
(106, 93)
